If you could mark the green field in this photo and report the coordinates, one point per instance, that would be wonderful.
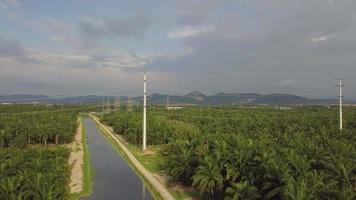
(250, 153)
(33, 156)
(209, 152)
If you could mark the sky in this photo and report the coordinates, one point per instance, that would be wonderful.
(78, 47)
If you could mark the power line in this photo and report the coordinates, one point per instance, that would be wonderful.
(129, 104)
(167, 102)
(117, 103)
(144, 112)
(340, 103)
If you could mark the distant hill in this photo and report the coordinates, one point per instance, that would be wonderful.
(193, 98)
(238, 99)
(88, 99)
(20, 98)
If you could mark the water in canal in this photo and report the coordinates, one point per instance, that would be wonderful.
(113, 178)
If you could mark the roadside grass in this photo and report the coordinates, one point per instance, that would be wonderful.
(151, 162)
(88, 172)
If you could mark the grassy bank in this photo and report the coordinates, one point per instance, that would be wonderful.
(151, 162)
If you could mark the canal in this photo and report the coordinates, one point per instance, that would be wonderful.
(113, 177)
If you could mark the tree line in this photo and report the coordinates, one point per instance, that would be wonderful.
(45, 128)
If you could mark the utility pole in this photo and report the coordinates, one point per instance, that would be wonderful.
(340, 102)
(167, 102)
(117, 104)
(134, 104)
(129, 103)
(144, 112)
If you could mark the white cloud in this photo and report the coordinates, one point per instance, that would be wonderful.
(288, 81)
(321, 38)
(57, 58)
(55, 38)
(88, 61)
(188, 32)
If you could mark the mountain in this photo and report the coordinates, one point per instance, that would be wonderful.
(87, 99)
(20, 98)
(281, 99)
(193, 98)
(199, 98)
(46, 99)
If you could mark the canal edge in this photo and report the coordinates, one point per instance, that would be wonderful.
(138, 167)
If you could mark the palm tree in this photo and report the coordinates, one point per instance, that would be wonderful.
(308, 187)
(208, 178)
(241, 191)
(2, 138)
(9, 187)
(180, 161)
(44, 134)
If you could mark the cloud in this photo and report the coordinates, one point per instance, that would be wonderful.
(33, 84)
(11, 49)
(244, 45)
(274, 41)
(288, 81)
(6, 3)
(13, 2)
(67, 74)
(90, 31)
(2, 6)
(89, 36)
(321, 38)
(82, 37)
(134, 26)
(188, 32)
(51, 25)
(93, 61)
(196, 12)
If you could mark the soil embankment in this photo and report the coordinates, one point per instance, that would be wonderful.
(76, 161)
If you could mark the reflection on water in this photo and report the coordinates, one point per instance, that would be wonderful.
(113, 177)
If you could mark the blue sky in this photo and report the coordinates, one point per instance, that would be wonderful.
(82, 47)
